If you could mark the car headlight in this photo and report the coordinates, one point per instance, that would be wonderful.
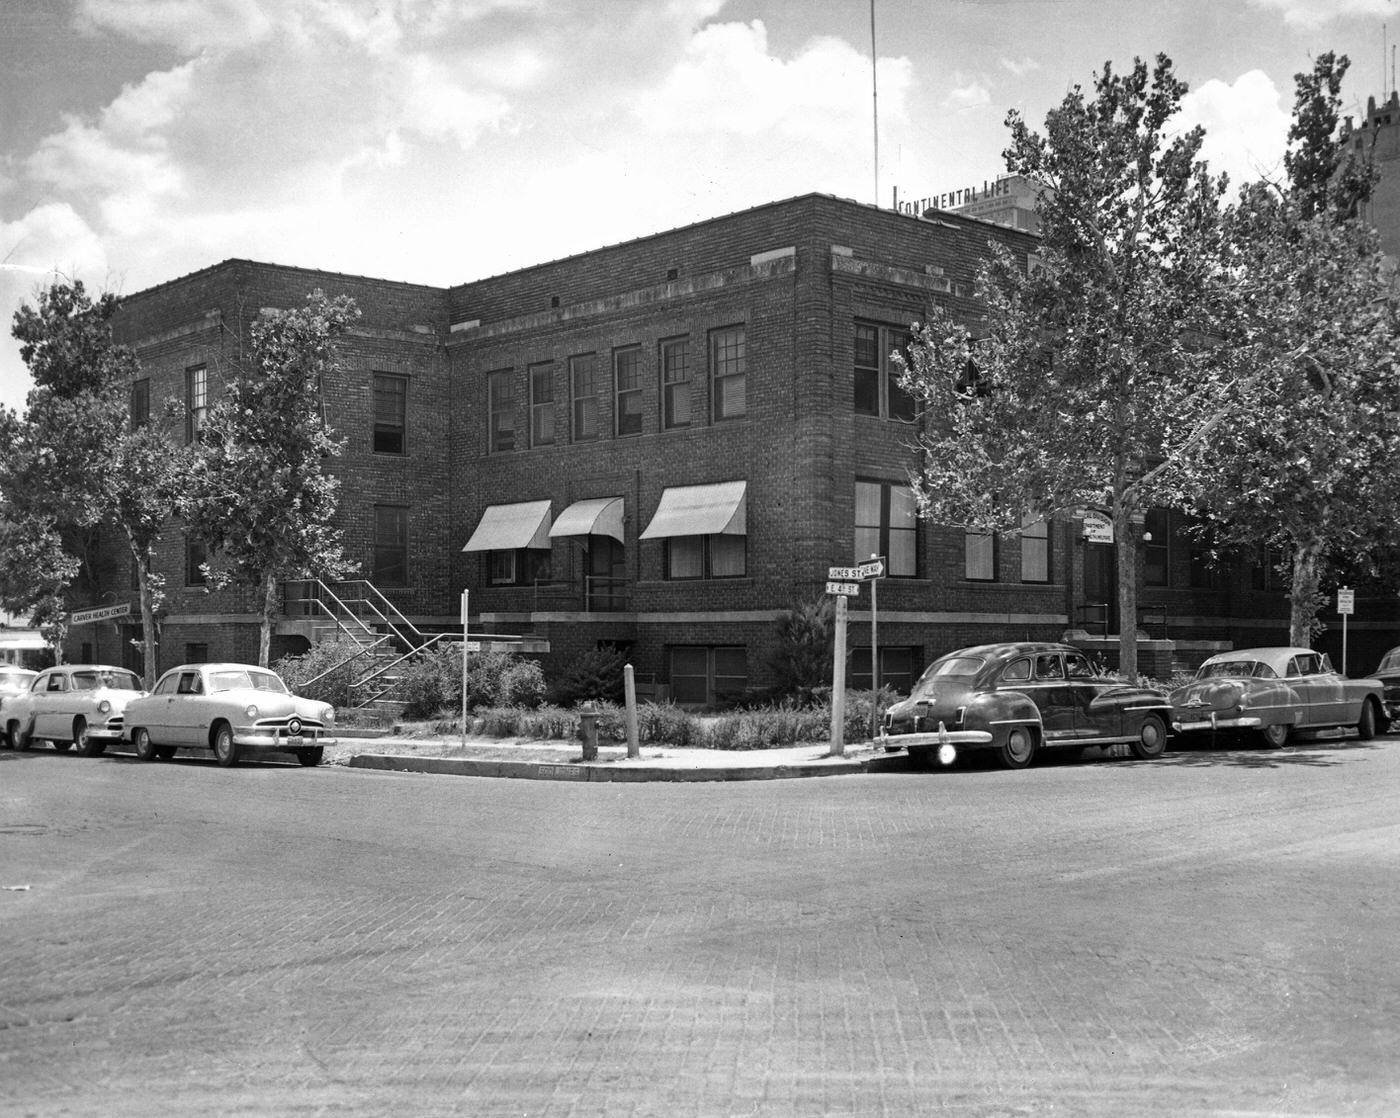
(250, 711)
(328, 715)
(104, 707)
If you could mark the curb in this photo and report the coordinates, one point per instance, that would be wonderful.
(594, 773)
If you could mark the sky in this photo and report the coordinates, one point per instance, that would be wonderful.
(441, 141)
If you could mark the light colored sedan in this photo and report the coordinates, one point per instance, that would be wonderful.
(1275, 692)
(71, 705)
(232, 709)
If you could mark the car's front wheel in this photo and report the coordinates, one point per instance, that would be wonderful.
(144, 746)
(311, 757)
(1152, 739)
(225, 748)
(1366, 724)
(18, 738)
(1018, 749)
(1275, 735)
(83, 740)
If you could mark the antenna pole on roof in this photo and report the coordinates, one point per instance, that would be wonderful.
(875, 101)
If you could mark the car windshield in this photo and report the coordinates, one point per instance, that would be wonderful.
(245, 679)
(1238, 668)
(116, 681)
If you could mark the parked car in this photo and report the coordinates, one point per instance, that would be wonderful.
(231, 709)
(1275, 692)
(14, 681)
(1018, 698)
(71, 705)
(1388, 674)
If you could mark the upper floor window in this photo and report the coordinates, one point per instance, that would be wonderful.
(1035, 549)
(140, 402)
(728, 373)
(196, 401)
(627, 390)
(583, 387)
(1156, 548)
(390, 413)
(391, 545)
(876, 377)
(716, 556)
(675, 383)
(980, 556)
(887, 525)
(500, 391)
(542, 404)
(523, 566)
(196, 555)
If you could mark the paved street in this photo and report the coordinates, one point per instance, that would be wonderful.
(1212, 934)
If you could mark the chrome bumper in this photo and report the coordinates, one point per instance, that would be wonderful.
(260, 737)
(1195, 725)
(937, 737)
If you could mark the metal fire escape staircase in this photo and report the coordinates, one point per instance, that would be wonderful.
(379, 640)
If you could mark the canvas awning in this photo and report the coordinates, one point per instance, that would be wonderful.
(700, 510)
(508, 527)
(599, 516)
(22, 640)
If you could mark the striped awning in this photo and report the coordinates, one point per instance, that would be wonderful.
(598, 516)
(700, 510)
(508, 527)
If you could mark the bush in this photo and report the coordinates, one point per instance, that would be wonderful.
(595, 674)
(433, 682)
(335, 687)
(800, 662)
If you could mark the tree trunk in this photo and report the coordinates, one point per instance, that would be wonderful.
(148, 616)
(1303, 599)
(269, 608)
(1127, 590)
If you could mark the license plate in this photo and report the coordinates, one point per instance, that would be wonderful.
(296, 742)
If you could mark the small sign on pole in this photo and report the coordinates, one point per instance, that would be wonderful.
(1346, 606)
(845, 589)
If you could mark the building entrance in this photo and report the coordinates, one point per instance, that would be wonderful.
(1099, 610)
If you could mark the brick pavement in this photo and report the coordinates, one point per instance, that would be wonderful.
(1206, 935)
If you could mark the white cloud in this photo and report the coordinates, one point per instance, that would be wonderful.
(1019, 67)
(1246, 126)
(972, 95)
(1316, 13)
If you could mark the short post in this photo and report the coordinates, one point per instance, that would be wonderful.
(634, 748)
(588, 730)
(838, 683)
(466, 594)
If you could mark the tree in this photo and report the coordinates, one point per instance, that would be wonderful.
(1307, 318)
(260, 498)
(75, 464)
(1066, 398)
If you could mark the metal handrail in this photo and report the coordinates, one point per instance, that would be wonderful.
(360, 650)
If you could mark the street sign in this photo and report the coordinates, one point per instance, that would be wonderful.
(873, 569)
(88, 616)
(1346, 600)
(843, 574)
(845, 589)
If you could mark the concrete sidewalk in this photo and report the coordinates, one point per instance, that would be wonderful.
(562, 760)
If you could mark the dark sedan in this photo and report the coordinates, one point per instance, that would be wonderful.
(1018, 698)
(1389, 676)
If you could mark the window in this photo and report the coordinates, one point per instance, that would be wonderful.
(196, 555)
(583, 386)
(717, 556)
(1156, 548)
(1267, 572)
(196, 654)
(196, 401)
(980, 556)
(542, 404)
(391, 545)
(705, 676)
(728, 372)
(897, 669)
(877, 390)
(390, 413)
(627, 390)
(140, 402)
(1035, 549)
(886, 525)
(500, 391)
(522, 567)
(675, 383)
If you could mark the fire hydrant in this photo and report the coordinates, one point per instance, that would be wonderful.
(588, 730)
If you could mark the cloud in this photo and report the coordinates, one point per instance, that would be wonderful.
(1316, 13)
(1021, 68)
(972, 95)
(1246, 125)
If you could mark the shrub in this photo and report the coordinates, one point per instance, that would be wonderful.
(433, 682)
(595, 674)
(800, 662)
(296, 671)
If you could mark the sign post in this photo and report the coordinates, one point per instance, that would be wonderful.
(838, 682)
(1346, 606)
(466, 596)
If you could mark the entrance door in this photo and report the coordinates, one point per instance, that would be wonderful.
(1099, 611)
(606, 578)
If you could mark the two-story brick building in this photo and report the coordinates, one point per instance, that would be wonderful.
(662, 444)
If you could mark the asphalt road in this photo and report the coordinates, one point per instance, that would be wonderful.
(1215, 933)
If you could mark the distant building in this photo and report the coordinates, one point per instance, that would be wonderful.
(659, 445)
(1377, 138)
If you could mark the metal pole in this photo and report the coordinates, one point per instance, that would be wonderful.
(874, 660)
(465, 598)
(875, 100)
(838, 683)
